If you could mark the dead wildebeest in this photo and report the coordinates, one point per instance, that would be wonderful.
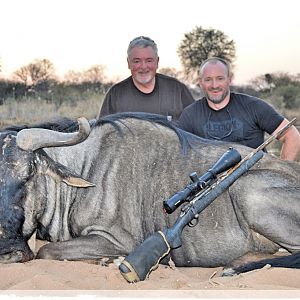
(130, 164)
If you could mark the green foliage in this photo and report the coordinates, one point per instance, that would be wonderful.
(11, 89)
(280, 89)
(286, 97)
(267, 82)
(245, 89)
(50, 91)
(200, 44)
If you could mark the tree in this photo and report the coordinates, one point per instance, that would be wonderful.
(269, 81)
(200, 44)
(73, 77)
(37, 72)
(95, 74)
(170, 72)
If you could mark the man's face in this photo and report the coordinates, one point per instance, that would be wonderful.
(143, 64)
(215, 82)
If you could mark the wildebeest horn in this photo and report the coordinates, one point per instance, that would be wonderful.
(36, 138)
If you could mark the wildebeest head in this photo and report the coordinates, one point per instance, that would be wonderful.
(16, 168)
(18, 164)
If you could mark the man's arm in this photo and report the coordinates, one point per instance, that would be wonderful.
(290, 142)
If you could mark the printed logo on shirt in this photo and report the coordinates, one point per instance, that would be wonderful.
(230, 130)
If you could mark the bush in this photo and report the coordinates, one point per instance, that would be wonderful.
(286, 97)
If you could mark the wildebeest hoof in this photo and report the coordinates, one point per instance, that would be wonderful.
(45, 252)
(12, 257)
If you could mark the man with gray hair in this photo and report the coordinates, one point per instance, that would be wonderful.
(146, 90)
(234, 117)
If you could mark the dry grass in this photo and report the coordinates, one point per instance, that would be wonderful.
(34, 111)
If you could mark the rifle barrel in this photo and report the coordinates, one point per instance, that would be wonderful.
(268, 141)
(276, 135)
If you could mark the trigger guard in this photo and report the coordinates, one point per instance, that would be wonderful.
(194, 222)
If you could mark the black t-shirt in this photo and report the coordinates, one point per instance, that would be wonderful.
(168, 98)
(244, 120)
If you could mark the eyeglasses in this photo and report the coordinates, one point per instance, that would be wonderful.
(225, 135)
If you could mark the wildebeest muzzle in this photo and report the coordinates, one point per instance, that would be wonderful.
(14, 250)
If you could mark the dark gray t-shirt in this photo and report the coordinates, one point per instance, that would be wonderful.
(168, 98)
(244, 120)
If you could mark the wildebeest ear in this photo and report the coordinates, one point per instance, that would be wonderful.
(59, 172)
(69, 178)
(77, 181)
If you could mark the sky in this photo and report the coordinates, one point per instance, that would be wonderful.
(76, 34)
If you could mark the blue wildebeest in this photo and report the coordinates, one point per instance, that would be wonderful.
(103, 196)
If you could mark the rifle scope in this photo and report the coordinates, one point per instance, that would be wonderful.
(228, 160)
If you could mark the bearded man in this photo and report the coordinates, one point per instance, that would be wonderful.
(146, 90)
(234, 117)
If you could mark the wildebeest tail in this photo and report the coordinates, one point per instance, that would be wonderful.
(290, 261)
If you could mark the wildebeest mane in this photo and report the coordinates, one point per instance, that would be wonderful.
(62, 125)
(70, 125)
(186, 139)
(117, 118)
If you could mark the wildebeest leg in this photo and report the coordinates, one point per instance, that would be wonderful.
(249, 258)
(273, 214)
(290, 261)
(90, 247)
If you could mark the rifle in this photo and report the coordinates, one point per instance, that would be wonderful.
(201, 192)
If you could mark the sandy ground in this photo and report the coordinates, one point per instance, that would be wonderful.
(73, 278)
(67, 278)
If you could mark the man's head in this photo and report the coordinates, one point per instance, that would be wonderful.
(215, 79)
(142, 58)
